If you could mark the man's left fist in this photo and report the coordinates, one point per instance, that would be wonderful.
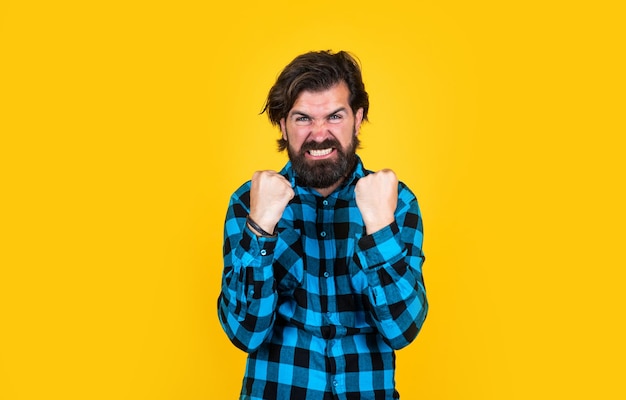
(377, 198)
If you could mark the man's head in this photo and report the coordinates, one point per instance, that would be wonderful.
(314, 72)
(319, 101)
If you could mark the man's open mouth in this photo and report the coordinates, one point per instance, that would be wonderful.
(320, 153)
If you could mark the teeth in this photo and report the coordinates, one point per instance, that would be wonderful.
(319, 153)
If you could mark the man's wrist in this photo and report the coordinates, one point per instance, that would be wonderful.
(258, 230)
(374, 226)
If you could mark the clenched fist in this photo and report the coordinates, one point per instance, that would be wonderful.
(269, 195)
(377, 198)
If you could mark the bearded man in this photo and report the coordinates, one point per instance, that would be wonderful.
(322, 277)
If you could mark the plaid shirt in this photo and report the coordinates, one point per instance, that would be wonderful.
(321, 307)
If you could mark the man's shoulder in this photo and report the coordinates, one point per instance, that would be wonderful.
(242, 194)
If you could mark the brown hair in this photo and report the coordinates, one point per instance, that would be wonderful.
(315, 71)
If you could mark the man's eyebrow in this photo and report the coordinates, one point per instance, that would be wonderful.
(340, 109)
(303, 114)
(296, 112)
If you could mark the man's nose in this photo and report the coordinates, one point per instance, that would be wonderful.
(320, 131)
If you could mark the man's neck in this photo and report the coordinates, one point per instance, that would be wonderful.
(325, 192)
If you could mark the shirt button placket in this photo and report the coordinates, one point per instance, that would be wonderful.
(330, 353)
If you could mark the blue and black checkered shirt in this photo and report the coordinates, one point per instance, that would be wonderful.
(321, 307)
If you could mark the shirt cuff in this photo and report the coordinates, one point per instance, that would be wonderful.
(256, 251)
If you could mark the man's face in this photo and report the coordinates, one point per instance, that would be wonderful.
(321, 132)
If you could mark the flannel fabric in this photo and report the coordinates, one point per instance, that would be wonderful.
(321, 307)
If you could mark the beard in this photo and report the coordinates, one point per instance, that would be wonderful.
(321, 174)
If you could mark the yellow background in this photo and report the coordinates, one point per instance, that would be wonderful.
(126, 125)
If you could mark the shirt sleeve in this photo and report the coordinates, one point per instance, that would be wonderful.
(392, 260)
(247, 301)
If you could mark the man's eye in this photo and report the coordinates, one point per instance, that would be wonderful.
(335, 117)
(302, 119)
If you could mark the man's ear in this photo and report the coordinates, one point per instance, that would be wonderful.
(283, 129)
(358, 118)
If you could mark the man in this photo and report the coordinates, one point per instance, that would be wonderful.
(323, 260)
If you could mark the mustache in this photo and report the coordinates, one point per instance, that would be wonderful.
(327, 143)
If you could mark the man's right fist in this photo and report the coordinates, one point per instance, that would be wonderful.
(269, 195)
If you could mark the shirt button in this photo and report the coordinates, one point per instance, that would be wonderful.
(323, 234)
(326, 274)
(263, 252)
(329, 314)
(325, 202)
(335, 383)
(251, 292)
